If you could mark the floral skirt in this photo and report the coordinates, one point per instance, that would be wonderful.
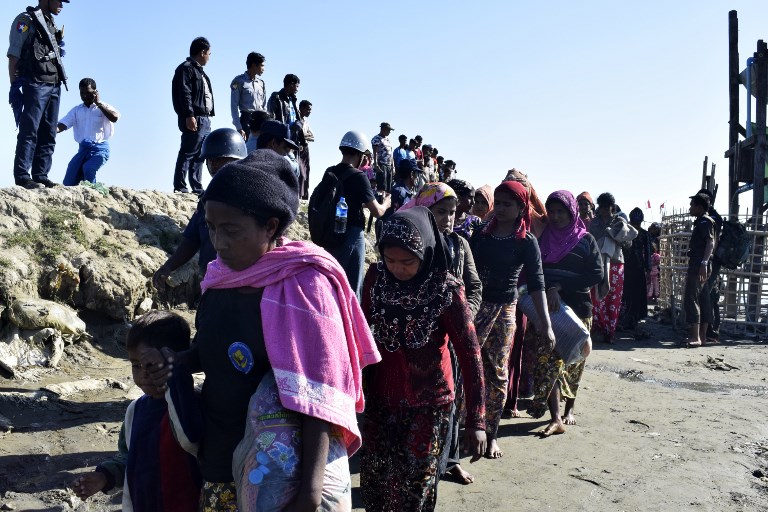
(495, 326)
(400, 457)
(550, 370)
(606, 311)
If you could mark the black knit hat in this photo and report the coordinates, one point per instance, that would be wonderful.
(261, 184)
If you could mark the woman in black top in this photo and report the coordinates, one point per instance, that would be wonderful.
(502, 248)
(572, 266)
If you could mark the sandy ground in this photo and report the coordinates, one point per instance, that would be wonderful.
(658, 429)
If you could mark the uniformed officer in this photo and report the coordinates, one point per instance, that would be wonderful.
(248, 93)
(34, 66)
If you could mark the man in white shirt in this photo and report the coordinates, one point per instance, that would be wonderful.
(92, 124)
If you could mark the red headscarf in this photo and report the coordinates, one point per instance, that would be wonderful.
(520, 194)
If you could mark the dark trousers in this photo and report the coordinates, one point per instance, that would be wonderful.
(189, 162)
(37, 131)
(696, 299)
(713, 286)
(384, 177)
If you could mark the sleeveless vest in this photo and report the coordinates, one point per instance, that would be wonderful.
(35, 63)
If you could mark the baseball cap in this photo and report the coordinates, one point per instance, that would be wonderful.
(706, 192)
(279, 131)
(386, 125)
(703, 198)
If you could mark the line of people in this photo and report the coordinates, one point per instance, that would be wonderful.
(426, 340)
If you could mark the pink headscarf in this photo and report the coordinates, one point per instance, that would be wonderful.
(536, 207)
(556, 243)
(487, 192)
(429, 195)
(519, 194)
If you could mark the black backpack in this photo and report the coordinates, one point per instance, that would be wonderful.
(734, 246)
(321, 212)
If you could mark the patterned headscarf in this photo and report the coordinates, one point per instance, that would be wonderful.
(538, 211)
(519, 194)
(429, 195)
(556, 243)
(404, 313)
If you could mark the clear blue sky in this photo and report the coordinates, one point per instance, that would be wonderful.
(626, 97)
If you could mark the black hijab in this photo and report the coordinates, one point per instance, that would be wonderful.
(404, 313)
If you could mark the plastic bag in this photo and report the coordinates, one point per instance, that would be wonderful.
(571, 335)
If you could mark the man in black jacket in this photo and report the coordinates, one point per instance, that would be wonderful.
(282, 103)
(193, 103)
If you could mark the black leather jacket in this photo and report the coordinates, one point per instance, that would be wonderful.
(188, 91)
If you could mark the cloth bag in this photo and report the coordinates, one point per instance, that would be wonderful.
(267, 462)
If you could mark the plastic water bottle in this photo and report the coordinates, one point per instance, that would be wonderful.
(340, 226)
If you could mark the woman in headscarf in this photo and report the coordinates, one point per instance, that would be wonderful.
(611, 232)
(572, 266)
(521, 359)
(278, 396)
(502, 248)
(464, 223)
(441, 201)
(537, 210)
(413, 304)
(586, 207)
(483, 203)
(637, 268)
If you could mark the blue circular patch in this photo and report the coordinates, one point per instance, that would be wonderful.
(241, 357)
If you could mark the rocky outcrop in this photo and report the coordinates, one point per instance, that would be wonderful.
(92, 252)
(77, 247)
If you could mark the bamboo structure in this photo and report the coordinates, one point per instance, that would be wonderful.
(744, 309)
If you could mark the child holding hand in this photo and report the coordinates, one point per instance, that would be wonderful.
(157, 471)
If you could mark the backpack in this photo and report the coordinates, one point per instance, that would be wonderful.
(734, 246)
(321, 212)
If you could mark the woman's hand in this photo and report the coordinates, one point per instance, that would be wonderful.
(547, 335)
(553, 299)
(158, 365)
(475, 443)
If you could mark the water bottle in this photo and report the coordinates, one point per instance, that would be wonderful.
(340, 226)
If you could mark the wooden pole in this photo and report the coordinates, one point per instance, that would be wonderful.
(733, 93)
(761, 96)
(758, 193)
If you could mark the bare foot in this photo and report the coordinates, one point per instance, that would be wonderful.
(493, 451)
(555, 427)
(460, 475)
(693, 343)
(569, 419)
(511, 413)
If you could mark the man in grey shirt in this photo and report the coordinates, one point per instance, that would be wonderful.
(248, 93)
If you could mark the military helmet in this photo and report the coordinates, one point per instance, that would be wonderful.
(224, 142)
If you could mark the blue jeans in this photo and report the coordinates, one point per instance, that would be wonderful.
(189, 162)
(351, 257)
(89, 159)
(37, 131)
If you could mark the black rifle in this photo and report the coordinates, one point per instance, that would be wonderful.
(55, 54)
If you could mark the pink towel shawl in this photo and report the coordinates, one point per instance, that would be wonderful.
(316, 336)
